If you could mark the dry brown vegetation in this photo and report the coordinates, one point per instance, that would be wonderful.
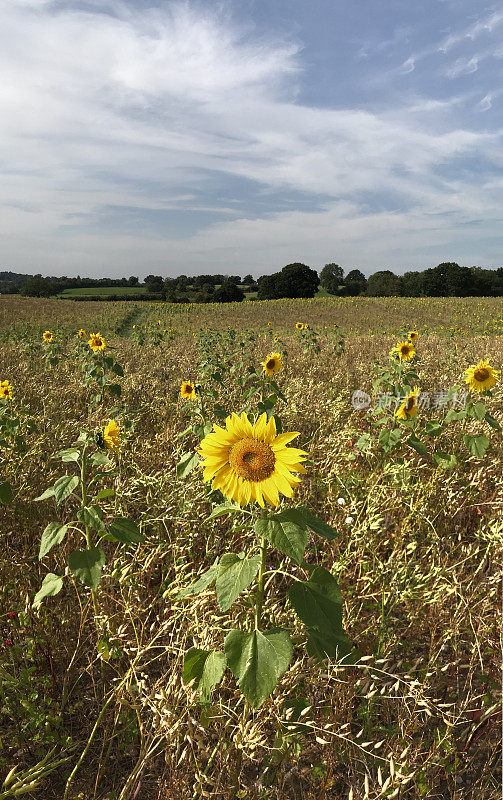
(416, 716)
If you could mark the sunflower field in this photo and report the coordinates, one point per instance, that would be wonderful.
(251, 550)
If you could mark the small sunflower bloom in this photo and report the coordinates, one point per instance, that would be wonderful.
(408, 408)
(81, 333)
(299, 325)
(5, 390)
(404, 350)
(413, 335)
(47, 336)
(112, 436)
(272, 364)
(481, 377)
(248, 462)
(96, 342)
(188, 390)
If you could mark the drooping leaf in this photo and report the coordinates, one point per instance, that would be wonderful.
(318, 525)
(444, 460)
(203, 582)
(92, 516)
(64, 487)
(235, 572)
(53, 534)
(418, 446)
(433, 428)
(125, 530)
(288, 536)
(87, 565)
(103, 493)
(318, 601)
(204, 668)
(51, 585)
(492, 422)
(222, 509)
(5, 493)
(257, 660)
(477, 445)
(71, 454)
(186, 464)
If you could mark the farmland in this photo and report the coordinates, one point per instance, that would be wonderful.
(122, 675)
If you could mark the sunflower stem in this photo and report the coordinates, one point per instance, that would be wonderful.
(259, 596)
(89, 543)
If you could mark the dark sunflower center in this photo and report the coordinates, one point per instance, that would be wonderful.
(481, 374)
(252, 460)
(271, 363)
(410, 403)
(189, 389)
(405, 349)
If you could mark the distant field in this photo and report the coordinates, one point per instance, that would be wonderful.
(104, 291)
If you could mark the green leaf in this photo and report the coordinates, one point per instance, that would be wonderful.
(186, 464)
(257, 660)
(204, 669)
(103, 493)
(53, 534)
(433, 428)
(336, 646)
(455, 415)
(418, 446)
(220, 411)
(92, 516)
(117, 369)
(64, 487)
(364, 442)
(235, 573)
(222, 509)
(285, 533)
(72, 454)
(476, 410)
(99, 460)
(87, 565)
(45, 495)
(492, 422)
(207, 578)
(444, 460)
(318, 601)
(318, 525)
(477, 445)
(51, 585)
(5, 493)
(125, 530)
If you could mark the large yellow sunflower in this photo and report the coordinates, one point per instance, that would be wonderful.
(413, 336)
(188, 390)
(251, 462)
(5, 390)
(81, 333)
(404, 350)
(481, 377)
(96, 342)
(408, 408)
(272, 364)
(112, 436)
(47, 336)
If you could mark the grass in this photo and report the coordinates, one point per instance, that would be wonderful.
(103, 291)
(418, 567)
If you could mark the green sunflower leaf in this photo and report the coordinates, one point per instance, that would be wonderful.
(286, 532)
(235, 573)
(203, 582)
(258, 660)
(186, 464)
(87, 565)
(204, 669)
(51, 585)
(477, 445)
(53, 534)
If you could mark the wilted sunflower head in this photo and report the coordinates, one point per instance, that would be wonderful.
(404, 350)
(96, 342)
(188, 390)
(413, 336)
(81, 333)
(299, 325)
(481, 377)
(47, 336)
(251, 462)
(5, 390)
(408, 408)
(112, 436)
(272, 364)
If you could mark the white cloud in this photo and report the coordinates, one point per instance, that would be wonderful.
(143, 108)
(462, 66)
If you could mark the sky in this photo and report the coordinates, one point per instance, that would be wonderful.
(239, 136)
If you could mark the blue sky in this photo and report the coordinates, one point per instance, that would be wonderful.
(238, 136)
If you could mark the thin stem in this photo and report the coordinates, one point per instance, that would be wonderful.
(89, 542)
(259, 596)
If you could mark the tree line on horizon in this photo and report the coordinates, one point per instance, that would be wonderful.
(296, 280)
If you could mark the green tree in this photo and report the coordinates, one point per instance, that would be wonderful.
(228, 292)
(37, 286)
(154, 284)
(355, 282)
(412, 284)
(332, 278)
(383, 284)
